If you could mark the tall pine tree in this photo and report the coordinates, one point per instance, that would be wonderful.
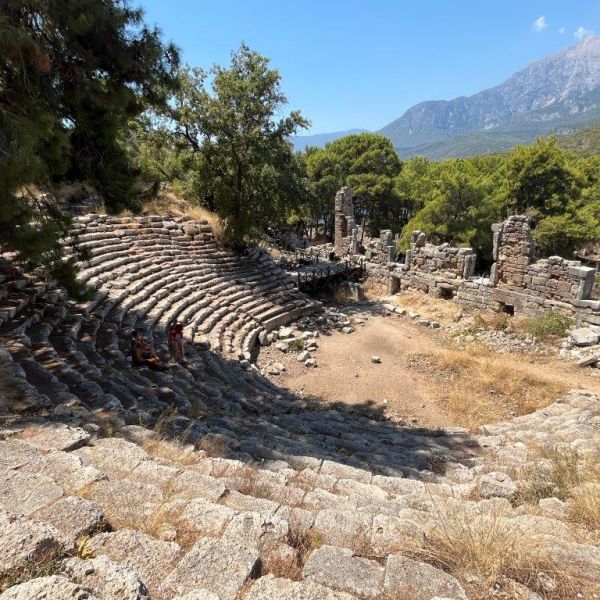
(72, 73)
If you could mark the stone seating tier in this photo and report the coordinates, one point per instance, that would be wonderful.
(209, 476)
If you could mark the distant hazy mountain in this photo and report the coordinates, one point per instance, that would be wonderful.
(557, 94)
(320, 139)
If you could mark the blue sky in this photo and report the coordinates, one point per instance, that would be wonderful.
(351, 63)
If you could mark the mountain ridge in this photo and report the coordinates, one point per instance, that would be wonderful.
(558, 94)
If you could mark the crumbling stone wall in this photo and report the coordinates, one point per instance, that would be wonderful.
(518, 282)
(345, 225)
(444, 260)
(516, 269)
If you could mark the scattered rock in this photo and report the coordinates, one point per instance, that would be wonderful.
(339, 569)
(419, 581)
(496, 484)
(375, 360)
(588, 361)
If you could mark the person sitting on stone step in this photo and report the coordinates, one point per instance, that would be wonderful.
(176, 342)
(143, 355)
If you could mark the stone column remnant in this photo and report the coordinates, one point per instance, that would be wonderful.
(344, 218)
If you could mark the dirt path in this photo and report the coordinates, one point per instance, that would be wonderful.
(346, 374)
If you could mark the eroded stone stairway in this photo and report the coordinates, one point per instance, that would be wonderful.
(208, 481)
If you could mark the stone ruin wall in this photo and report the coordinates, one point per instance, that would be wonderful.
(518, 282)
(516, 269)
(345, 225)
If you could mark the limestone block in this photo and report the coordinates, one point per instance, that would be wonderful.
(342, 527)
(584, 336)
(24, 493)
(23, 541)
(150, 558)
(254, 529)
(496, 484)
(53, 436)
(74, 517)
(419, 581)
(218, 566)
(337, 568)
(107, 578)
(271, 588)
(54, 587)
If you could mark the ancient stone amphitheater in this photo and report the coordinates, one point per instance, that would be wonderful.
(210, 482)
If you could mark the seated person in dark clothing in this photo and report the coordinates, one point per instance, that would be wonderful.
(333, 256)
(143, 355)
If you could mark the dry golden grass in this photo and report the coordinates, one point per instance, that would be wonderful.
(490, 547)
(559, 471)
(479, 386)
(553, 473)
(584, 509)
(341, 294)
(44, 566)
(169, 447)
(168, 203)
(304, 542)
(371, 290)
(281, 561)
(173, 451)
(428, 306)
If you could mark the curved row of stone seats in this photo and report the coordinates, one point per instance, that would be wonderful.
(79, 359)
(353, 483)
(170, 519)
(173, 269)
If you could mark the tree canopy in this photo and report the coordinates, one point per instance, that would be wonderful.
(457, 200)
(366, 162)
(227, 130)
(72, 73)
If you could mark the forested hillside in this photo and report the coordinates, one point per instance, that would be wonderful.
(584, 142)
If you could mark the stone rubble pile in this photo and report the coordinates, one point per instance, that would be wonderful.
(583, 345)
(302, 337)
(210, 482)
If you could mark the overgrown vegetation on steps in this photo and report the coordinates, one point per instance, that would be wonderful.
(560, 471)
(487, 549)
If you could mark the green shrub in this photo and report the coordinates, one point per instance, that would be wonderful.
(296, 345)
(549, 324)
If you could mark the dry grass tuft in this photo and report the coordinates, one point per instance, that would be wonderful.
(429, 306)
(281, 561)
(169, 447)
(559, 471)
(168, 203)
(303, 542)
(553, 474)
(584, 509)
(478, 386)
(371, 290)
(341, 294)
(172, 451)
(44, 566)
(490, 547)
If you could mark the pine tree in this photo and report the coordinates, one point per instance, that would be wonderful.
(72, 72)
